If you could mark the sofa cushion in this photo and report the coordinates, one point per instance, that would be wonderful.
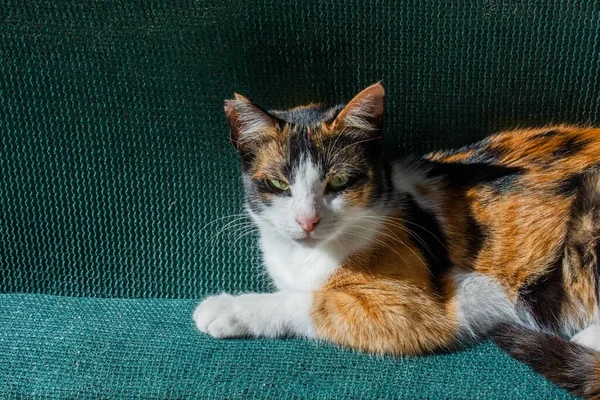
(67, 347)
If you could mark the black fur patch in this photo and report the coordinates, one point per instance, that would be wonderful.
(307, 116)
(477, 150)
(570, 146)
(464, 176)
(477, 236)
(482, 152)
(505, 184)
(426, 234)
(547, 134)
(385, 177)
(487, 155)
(565, 363)
(544, 296)
(382, 184)
(468, 175)
(300, 146)
(570, 185)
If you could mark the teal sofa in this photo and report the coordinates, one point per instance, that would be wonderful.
(115, 158)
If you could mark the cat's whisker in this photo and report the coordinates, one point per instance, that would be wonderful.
(380, 242)
(396, 239)
(374, 237)
(351, 144)
(212, 222)
(393, 237)
(229, 227)
(330, 149)
(338, 241)
(228, 216)
(401, 226)
(402, 220)
(351, 168)
(421, 227)
(245, 233)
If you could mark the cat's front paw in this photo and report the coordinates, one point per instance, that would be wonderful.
(216, 315)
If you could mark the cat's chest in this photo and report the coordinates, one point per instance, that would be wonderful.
(294, 267)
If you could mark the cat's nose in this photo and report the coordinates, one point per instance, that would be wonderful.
(308, 224)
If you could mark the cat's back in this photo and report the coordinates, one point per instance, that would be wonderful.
(558, 148)
(515, 206)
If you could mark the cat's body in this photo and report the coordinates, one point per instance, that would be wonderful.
(500, 238)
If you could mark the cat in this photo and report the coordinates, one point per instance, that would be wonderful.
(499, 239)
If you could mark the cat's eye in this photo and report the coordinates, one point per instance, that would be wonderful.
(338, 182)
(278, 185)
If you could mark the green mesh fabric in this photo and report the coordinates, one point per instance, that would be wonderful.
(75, 348)
(114, 152)
(115, 158)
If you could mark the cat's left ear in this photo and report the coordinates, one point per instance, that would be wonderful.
(249, 124)
(363, 115)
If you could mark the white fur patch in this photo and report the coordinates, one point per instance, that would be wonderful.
(589, 337)
(270, 315)
(406, 174)
(482, 303)
(294, 266)
(307, 190)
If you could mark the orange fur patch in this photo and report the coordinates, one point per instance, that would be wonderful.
(382, 300)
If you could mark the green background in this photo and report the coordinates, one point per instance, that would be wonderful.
(115, 157)
(114, 151)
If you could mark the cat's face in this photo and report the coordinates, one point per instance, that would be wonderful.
(309, 173)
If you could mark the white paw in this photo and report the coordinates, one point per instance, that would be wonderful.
(216, 315)
(589, 337)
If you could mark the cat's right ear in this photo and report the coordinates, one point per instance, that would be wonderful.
(248, 123)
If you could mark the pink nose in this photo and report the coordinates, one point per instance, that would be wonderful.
(308, 224)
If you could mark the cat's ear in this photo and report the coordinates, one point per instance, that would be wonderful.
(363, 115)
(248, 122)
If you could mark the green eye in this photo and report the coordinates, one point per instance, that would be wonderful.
(277, 184)
(338, 182)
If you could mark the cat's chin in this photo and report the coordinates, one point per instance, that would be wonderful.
(309, 241)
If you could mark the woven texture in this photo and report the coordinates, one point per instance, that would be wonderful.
(115, 158)
(114, 153)
(126, 348)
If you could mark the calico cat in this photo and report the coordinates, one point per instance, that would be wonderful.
(499, 239)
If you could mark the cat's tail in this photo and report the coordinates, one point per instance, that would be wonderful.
(567, 364)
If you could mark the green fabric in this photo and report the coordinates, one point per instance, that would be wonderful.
(114, 158)
(147, 348)
(114, 152)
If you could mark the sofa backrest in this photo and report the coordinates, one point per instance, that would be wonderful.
(114, 152)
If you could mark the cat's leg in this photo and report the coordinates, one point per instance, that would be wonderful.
(589, 337)
(385, 318)
(285, 313)
(377, 317)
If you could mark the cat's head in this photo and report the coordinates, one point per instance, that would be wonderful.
(310, 172)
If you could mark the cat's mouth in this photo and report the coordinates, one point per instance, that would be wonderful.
(308, 240)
